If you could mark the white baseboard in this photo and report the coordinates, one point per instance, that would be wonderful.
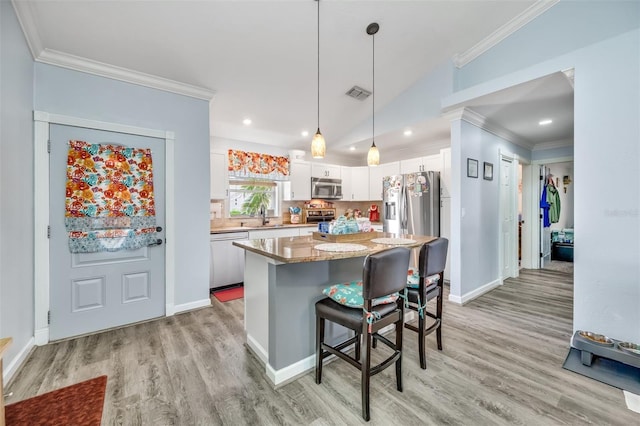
(466, 298)
(257, 349)
(189, 306)
(41, 336)
(290, 372)
(12, 366)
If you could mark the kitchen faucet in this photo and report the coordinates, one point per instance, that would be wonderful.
(263, 213)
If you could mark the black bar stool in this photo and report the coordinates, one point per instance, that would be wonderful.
(384, 275)
(432, 261)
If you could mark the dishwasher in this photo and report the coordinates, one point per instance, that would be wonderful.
(227, 260)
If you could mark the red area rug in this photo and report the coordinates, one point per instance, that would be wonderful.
(229, 294)
(79, 405)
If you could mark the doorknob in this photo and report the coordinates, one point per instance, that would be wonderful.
(157, 242)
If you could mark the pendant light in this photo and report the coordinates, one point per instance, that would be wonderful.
(373, 157)
(318, 146)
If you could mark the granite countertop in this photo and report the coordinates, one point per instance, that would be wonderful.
(302, 249)
(248, 228)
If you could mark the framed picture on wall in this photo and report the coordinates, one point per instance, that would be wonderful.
(472, 168)
(488, 171)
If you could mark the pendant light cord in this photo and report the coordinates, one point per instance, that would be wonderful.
(373, 68)
(318, 64)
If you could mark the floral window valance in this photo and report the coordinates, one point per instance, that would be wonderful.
(109, 198)
(256, 165)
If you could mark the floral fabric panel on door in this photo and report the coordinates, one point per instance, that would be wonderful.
(255, 165)
(109, 198)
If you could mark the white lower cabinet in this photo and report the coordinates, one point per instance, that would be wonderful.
(226, 266)
(309, 230)
(273, 233)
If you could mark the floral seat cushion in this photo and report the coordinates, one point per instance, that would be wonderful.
(350, 294)
(413, 278)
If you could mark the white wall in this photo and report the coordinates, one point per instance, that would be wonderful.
(603, 49)
(16, 188)
(63, 91)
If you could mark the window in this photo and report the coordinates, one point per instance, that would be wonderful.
(247, 197)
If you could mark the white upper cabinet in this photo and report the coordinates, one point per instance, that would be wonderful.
(375, 178)
(218, 178)
(347, 192)
(355, 183)
(300, 181)
(360, 183)
(325, 171)
(421, 164)
(445, 173)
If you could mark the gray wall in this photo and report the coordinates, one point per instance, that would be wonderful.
(68, 92)
(16, 185)
(599, 41)
(476, 242)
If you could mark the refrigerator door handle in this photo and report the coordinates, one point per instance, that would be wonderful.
(402, 204)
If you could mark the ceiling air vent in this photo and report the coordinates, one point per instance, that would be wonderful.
(358, 93)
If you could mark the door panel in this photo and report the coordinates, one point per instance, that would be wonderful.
(96, 291)
(508, 219)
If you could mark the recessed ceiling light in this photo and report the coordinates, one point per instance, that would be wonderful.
(305, 133)
(246, 121)
(545, 122)
(352, 148)
(408, 132)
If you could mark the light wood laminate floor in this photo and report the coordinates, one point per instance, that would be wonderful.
(501, 365)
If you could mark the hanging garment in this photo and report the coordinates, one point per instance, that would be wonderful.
(553, 199)
(544, 205)
(109, 198)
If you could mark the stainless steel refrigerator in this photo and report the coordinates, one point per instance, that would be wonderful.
(411, 203)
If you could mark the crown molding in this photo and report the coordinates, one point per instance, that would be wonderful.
(528, 15)
(24, 14)
(77, 63)
(481, 121)
(554, 144)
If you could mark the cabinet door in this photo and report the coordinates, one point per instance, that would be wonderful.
(273, 233)
(411, 166)
(445, 172)
(325, 171)
(360, 183)
(375, 178)
(347, 183)
(307, 230)
(431, 163)
(227, 264)
(219, 180)
(300, 181)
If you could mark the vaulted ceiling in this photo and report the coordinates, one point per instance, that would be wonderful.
(258, 59)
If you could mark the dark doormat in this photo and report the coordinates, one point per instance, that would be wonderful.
(605, 370)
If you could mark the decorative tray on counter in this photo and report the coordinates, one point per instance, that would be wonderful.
(344, 238)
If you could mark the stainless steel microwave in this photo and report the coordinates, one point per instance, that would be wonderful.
(326, 189)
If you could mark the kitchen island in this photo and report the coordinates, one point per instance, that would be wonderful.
(283, 280)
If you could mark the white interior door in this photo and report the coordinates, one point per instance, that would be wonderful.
(508, 212)
(545, 233)
(96, 291)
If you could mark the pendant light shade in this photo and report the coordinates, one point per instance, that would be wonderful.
(373, 157)
(318, 146)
